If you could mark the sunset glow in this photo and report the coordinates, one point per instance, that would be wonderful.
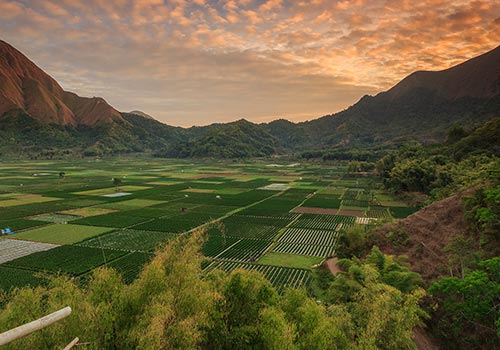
(195, 62)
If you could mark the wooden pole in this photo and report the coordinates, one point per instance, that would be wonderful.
(73, 343)
(28, 328)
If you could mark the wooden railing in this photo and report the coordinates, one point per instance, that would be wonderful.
(28, 328)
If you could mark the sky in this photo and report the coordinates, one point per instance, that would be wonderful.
(196, 62)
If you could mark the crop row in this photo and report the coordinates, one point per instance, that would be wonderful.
(309, 236)
(216, 244)
(325, 222)
(111, 220)
(11, 278)
(176, 224)
(279, 221)
(280, 277)
(242, 230)
(130, 265)
(245, 250)
(323, 201)
(129, 240)
(378, 212)
(67, 259)
(305, 249)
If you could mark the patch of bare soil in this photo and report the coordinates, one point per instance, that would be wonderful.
(312, 210)
(332, 266)
(423, 235)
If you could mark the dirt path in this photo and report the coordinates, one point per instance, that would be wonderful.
(332, 266)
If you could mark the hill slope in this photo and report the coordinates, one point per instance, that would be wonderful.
(26, 89)
(427, 232)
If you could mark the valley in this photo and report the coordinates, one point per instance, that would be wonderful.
(278, 219)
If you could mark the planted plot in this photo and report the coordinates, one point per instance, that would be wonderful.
(26, 199)
(61, 234)
(90, 211)
(112, 190)
(11, 249)
(20, 224)
(305, 249)
(11, 278)
(176, 224)
(309, 236)
(67, 259)
(217, 244)
(246, 250)
(214, 210)
(84, 202)
(378, 213)
(354, 203)
(323, 201)
(129, 240)
(243, 229)
(132, 204)
(130, 265)
(55, 218)
(148, 213)
(280, 277)
(324, 222)
(111, 220)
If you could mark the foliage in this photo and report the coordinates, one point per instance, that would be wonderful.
(468, 314)
(170, 307)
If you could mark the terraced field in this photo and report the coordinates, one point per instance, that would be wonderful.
(269, 219)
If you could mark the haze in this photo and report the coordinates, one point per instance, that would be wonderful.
(197, 62)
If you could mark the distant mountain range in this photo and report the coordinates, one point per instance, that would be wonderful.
(39, 119)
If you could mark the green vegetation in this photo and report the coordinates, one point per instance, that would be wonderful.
(65, 259)
(251, 229)
(290, 260)
(469, 311)
(61, 233)
(168, 306)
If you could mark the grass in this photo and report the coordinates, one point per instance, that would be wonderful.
(290, 260)
(61, 233)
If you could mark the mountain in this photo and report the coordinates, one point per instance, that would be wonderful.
(26, 89)
(422, 107)
(237, 139)
(475, 78)
(39, 118)
(142, 114)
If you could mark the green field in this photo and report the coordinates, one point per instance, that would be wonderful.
(253, 210)
(61, 234)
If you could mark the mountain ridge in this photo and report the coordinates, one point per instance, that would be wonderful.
(421, 107)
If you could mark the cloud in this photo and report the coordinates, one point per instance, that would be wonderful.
(200, 61)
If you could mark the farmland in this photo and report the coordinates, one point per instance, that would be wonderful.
(277, 219)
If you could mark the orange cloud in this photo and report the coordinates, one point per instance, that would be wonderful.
(213, 58)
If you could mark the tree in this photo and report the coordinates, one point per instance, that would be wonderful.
(468, 313)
